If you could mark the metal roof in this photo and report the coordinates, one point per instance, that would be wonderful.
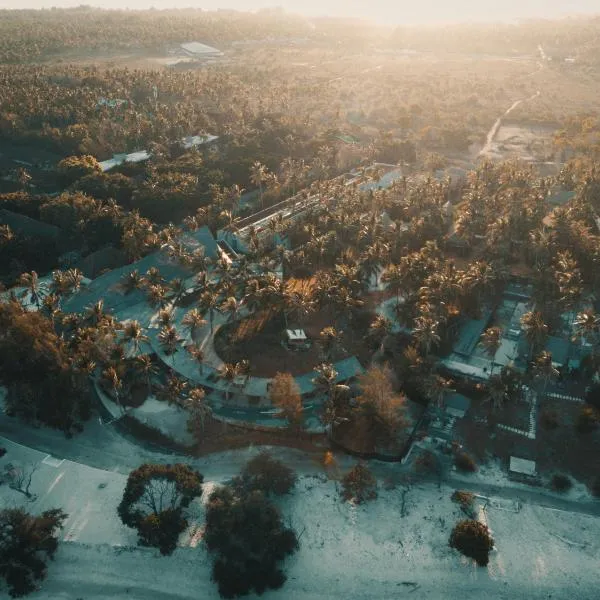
(522, 466)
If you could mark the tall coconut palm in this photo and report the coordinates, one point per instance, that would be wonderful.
(393, 277)
(195, 403)
(172, 392)
(176, 289)
(208, 303)
(536, 331)
(491, 340)
(193, 321)
(259, 176)
(325, 382)
(231, 308)
(425, 333)
(434, 388)
(227, 373)
(496, 393)
(156, 295)
(587, 326)
(379, 328)
(132, 281)
(169, 341)
(95, 314)
(6, 235)
(31, 282)
(165, 317)
(146, 368)
(112, 378)
(329, 340)
(544, 370)
(197, 353)
(133, 335)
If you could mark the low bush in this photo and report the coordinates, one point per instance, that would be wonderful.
(587, 420)
(265, 474)
(359, 484)
(560, 483)
(466, 501)
(594, 486)
(464, 462)
(549, 419)
(473, 539)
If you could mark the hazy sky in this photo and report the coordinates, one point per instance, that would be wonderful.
(386, 11)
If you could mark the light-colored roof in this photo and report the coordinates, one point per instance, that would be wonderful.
(507, 352)
(119, 159)
(191, 141)
(522, 466)
(199, 48)
(296, 334)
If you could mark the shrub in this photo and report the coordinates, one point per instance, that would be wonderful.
(464, 462)
(587, 420)
(427, 462)
(560, 483)
(266, 474)
(594, 486)
(472, 539)
(359, 484)
(549, 419)
(27, 543)
(249, 540)
(466, 501)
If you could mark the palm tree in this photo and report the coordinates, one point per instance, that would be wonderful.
(6, 235)
(146, 368)
(426, 334)
(329, 340)
(156, 295)
(112, 378)
(379, 328)
(208, 303)
(491, 341)
(132, 281)
(544, 370)
(535, 330)
(165, 317)
(173, 391)
(227, 373)
(258, 176)
(177, 289)
(133, 334)
(169, 340)
(394, 278)
(325, 382)
(496, 393)
(586, 327)
(95, 314)
(193, 321)
(434, 388)
(197, 353)
(195, 404)
(244, 368)
(231, 308)
(32, 284)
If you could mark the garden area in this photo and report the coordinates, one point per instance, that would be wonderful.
(261, 338)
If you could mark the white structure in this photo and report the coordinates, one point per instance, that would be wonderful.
(522, 466)
(192, 141)
(119, 159)
(199, 50)
(296, 336)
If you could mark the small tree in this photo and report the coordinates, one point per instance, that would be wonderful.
(465, 462)
(359, 484)
(153, 502)
(380, 405)
(466, 501)
(248, 539)
(26, 542)
(560, 483)
(285, 395)
(588, 420)
(266, 474)
(473, 539)
(20, 477)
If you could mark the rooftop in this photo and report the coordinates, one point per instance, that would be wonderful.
(522, 466)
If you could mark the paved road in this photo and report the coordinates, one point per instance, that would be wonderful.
(104, 448)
